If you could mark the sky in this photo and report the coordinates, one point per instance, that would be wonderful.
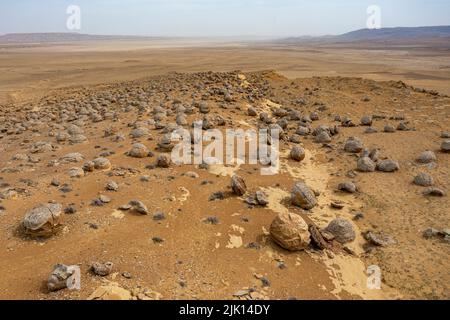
(217, 18)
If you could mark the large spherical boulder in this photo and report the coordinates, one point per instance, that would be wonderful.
(297, 153)
(43, 220)
(290, 231)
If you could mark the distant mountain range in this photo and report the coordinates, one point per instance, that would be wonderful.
(400, 35)
(16, 38)
(435, 36)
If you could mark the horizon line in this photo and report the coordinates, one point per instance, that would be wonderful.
(215, 36)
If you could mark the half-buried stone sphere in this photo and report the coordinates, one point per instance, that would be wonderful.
(165, 144)
(353, 145)
(342, 230)
(427, 157)
(138, 150)
(445, 146)
(365, 164)
(366, 120)
(252, 112)
(348, 187)
(102, 163)
(388, 165)
(163, 161)
(423, 179)
(302, 196)
(139, 132)
(322, 137)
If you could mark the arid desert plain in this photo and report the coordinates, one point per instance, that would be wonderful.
(361, 192)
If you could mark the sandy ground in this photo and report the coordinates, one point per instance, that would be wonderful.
(29, 71)
(198, 260)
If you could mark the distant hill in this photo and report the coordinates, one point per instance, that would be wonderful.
(397, 33)
(439, 35)
(16, 38)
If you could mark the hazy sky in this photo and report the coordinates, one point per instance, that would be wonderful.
(217, 17)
